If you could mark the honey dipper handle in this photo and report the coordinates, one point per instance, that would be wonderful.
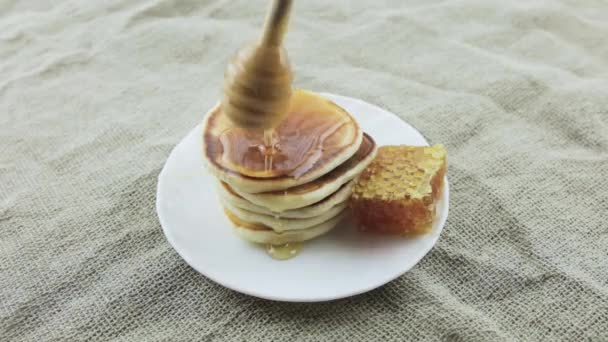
(276, 23)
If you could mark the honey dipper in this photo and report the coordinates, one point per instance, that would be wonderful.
(257, 83)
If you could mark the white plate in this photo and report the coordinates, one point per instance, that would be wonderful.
(340, 264)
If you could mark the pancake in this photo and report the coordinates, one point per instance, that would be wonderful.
(279, 224)
(339, 197)
(262, 234)
(313, 192)
(314, 138)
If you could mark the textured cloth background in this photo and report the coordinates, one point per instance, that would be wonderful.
(94, 94)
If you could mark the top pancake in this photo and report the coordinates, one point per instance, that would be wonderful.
(315, 137)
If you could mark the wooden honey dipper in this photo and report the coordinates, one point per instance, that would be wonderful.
(257, 83)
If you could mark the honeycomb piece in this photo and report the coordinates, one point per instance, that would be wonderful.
(397, 192)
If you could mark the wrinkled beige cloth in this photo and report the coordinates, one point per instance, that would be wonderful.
(94, 94)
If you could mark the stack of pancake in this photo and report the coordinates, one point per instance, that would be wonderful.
(297, 187)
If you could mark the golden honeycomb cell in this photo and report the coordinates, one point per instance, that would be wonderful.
(397, 192)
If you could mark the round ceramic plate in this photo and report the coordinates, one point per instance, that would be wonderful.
(340, 264)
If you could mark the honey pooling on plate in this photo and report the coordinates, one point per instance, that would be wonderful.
(284, 251)
(398, 191)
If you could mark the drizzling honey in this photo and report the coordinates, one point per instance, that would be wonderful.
(270, 148)
(314, 129)
(284, 251)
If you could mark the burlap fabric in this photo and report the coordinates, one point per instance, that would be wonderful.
(94, 94)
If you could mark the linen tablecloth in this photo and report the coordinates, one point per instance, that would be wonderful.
(94, 94)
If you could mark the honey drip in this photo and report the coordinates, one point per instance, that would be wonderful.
(284, 251)
(269, 149)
